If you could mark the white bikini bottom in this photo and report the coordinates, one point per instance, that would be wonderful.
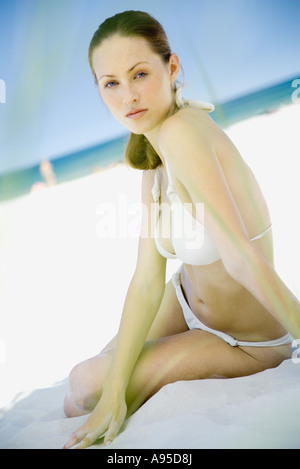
(194, 323)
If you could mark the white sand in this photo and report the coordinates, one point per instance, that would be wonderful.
(62, 287)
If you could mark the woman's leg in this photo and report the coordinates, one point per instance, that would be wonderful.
(187, 356)
(168, 321)
(180, 355)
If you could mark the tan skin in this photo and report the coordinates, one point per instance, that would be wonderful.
(240, 294)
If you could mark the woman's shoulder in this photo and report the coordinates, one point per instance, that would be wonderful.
(188, 124)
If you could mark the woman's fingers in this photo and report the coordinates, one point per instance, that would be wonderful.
(87, 441)
(97, 424)
(89, 432)
(83, 439)
(75, 438)
(115, 425)
(112, 432)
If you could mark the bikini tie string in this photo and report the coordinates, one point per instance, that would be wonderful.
(181, 102)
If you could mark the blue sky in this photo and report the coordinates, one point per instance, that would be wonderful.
(227, 48)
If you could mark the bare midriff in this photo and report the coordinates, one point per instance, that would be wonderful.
(223, 304)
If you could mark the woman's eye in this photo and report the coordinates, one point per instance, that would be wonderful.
(140, 75)
(110, 84)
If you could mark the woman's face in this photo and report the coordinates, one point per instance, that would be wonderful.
(134, 82)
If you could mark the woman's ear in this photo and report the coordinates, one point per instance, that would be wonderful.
(174, 66)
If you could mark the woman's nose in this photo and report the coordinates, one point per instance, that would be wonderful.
(129, 96)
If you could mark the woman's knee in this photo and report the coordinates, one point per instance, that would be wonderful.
(84, 389)
(71, 409)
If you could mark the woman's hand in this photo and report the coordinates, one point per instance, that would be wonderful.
(108, 416)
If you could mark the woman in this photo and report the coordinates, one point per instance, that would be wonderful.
(226, 313)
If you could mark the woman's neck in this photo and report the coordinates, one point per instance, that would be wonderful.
(153, 134)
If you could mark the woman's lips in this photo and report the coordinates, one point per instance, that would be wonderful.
(136, 113)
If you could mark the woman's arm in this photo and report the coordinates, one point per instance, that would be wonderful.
(192, 158)
(144, 295)
(140, 308)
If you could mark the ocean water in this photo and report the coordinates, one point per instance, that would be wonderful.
(263, 101)
(90, 160)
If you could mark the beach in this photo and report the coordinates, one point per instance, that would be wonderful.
(67, 254)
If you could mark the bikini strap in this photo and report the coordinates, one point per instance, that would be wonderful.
(262, 234)
(181, 102)
(170, 191)
(156, 186)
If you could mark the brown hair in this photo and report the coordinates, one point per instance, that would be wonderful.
(139, 152)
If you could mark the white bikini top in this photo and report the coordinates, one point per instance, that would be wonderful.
(190, 239)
